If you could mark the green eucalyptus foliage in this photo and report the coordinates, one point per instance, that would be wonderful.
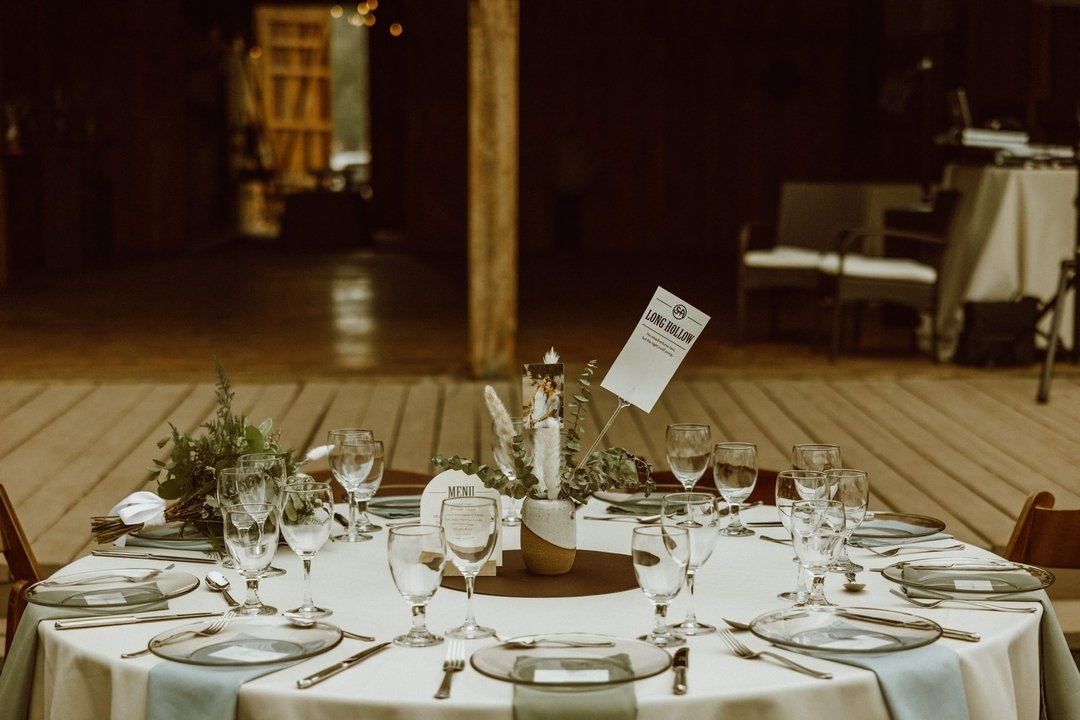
(191, 469)
(611, 469)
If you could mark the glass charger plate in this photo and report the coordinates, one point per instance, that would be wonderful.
(845, 630)
(625, 661)
(900, 526)
(395, 506)
(245, 641)
(174, 535)
(112, 588)
(637, 503)
(972, 578)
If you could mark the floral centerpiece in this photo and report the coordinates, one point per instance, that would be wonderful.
(551, 481)
(188, 477)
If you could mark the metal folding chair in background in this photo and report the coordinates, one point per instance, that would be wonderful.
(1056, 308)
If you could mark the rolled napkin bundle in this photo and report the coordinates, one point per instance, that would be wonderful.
(571, 701)
(140, 508)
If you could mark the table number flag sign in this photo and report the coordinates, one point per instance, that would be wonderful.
(455, 483)
(668, 328)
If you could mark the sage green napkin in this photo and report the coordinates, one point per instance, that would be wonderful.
(917, 684)
(176, 691)
(17, 678)
(616, 701)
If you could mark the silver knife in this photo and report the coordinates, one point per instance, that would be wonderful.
(680, 663)
(945, 632)
(152, 556)
(305, 683)
(126, 620)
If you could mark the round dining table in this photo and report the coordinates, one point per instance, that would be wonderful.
(79, 673)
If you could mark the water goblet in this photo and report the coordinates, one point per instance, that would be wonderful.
(251, 536)
(688, 446)
(660, 554)
(236, 486)
(417, 555)
(817, 530)
(306, 514)
(503, 452)
(815, 456)
(471, 526)
(369, 484)
(791, 487)
(350, 465)
(273, 465)
(697, 513)
(851, 488)
(735, 474)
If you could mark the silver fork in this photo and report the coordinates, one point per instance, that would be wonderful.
(455, 662)
(212, 629)
(744, 652)
(975, 603)
(148, 574)
(904, 548)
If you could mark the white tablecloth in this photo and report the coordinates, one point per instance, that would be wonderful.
(79, 673)
(1012, 229)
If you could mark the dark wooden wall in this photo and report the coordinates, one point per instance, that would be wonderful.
(643, 125)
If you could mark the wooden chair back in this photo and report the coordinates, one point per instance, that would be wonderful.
(1045, 536)
(22, 565)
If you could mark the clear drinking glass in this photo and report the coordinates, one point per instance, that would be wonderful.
(735, 474)
(817, 530)
(697, 514)
(273, 465)
(815, 456)
(240, 486)
(688, 446)
(471, 526)
(306, 515)
(791, 487)
(251, 536)
(350, 465)
(661, 554)
(851, 488)
(417, 555)
(502, 451)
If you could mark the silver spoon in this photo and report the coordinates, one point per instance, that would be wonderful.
(303, 622)
(219, 583)
(851, 585)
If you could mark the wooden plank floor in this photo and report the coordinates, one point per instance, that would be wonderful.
(966, 450)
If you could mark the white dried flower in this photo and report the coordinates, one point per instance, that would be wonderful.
(551, 357)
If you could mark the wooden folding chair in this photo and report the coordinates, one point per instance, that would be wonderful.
(22, 565)
(1045, 536)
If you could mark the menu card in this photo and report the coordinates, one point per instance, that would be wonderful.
(454, 483)
(668, 328)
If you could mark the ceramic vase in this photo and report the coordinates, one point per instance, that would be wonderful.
(548, 536)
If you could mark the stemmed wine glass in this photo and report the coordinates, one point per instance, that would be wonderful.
(417, 555)
(817, 530)
(236, 486)
(791, 487)
(851, 488)
(471, 526)
(251, 536)
(735, 474)
(815, 456)
(350, 466)
(503, 452)
(661, 554)
(274, 471)
(369, 484)
(697, 513)
(688, 446)
(306, 514)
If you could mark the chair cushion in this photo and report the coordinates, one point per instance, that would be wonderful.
(783, 256)
(882, 268)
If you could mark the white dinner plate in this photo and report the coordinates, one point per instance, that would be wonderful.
(245, 641)
(845, 630)
(112, 588)
(965, 577)
(625, 661)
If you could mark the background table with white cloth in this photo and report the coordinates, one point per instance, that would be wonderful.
(79, 673)
(1013, 227)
